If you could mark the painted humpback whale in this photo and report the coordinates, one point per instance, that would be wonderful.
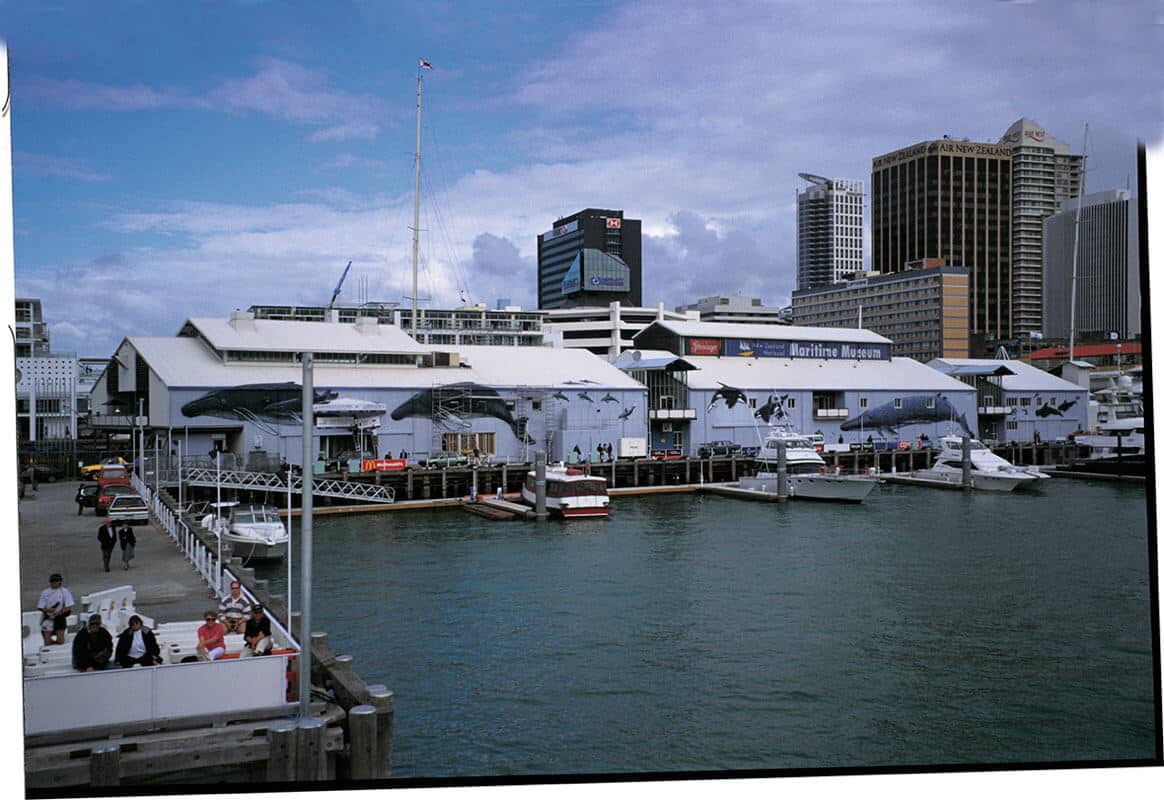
(268, 402)
(460, 401)
(914, 409)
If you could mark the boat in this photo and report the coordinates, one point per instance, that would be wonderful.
(988, 471)
(349, 413)
(570, 492)
(255, 532)
(809, 478)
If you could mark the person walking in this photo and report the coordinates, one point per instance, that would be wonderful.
(107, 536)
(128, 541)
(55, 605)
(80, 499)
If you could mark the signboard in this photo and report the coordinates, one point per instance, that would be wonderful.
(751, 348)
(604, 281)
(704, 347)
(382, 464)
(944, 147)
(613, 222)
(561, 230)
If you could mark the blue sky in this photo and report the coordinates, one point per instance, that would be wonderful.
(174, 161)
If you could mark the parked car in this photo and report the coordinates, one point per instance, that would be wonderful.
(113, 474)
(92, 470)
(40, 473)
(129, 508)
(106, 494)
(443, 459)
(718, 448)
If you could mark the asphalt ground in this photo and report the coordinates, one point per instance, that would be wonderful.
(54, 539)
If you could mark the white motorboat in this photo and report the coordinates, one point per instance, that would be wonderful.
(809, 478)
(570, 492)
(1121, 437)
(349, 413)
(255, 532)
(988, 471)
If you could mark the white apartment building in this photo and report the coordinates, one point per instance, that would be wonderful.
(605, 331)
(734, 308)
(830, 216)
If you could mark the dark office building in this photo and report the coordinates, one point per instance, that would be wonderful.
(949, 199)
(591, 258)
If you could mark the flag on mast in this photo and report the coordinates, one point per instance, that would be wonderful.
(425, 65)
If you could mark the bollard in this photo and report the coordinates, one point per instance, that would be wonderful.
(362, 742)
(311, 755)
(781, 471)
(540, 484)
(281, 747)
(384, 701)
(966, 481)
(105, 765)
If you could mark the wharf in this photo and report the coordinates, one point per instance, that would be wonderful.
(913, 480)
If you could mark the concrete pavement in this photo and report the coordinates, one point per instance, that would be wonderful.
(54, 539)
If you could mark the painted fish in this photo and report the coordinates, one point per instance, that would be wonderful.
(915, 409)
(460, 401)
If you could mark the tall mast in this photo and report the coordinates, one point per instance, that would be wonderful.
(416, 207)
(1075, 249)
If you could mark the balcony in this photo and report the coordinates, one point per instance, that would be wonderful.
(830, 413)
(671, 413)
(994, 411)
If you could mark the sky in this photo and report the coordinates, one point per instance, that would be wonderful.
(185, 160)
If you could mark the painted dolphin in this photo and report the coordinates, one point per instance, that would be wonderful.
(586, 397)
(774, 406)
(559, 396)
(627, 412)
(730, 394)
(1066, 405)
(609, 398)
(915, 409)
(462, 400)
(1046, 410)
(269, 402)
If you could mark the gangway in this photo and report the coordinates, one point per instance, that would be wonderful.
(271, 482)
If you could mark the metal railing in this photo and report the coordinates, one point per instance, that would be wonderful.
(266, 481)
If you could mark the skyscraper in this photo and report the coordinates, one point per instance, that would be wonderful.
(1045, 174)
(949, 199)
(1107, 286)
(591, 258)
(829, 231)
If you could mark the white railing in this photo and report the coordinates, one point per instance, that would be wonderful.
(109, 697)
(267, 481)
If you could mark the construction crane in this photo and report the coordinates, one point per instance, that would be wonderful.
(335, 294)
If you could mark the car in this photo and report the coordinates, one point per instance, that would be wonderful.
(91, 471)
(129, 508)
(720, 447)
(89, 493)
(444, 459)
(106, 494)
(113, 474)
(40, 473)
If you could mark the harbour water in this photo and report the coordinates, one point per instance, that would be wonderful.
(694, 632)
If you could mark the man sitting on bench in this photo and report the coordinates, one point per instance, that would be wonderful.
(257, 634)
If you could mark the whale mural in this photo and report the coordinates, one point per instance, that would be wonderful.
(729, 394)
(773, 408)
(265, 402)
(461, 401)
(915, 409)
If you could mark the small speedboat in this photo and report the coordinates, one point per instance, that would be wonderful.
(255, 532)
(809, 478)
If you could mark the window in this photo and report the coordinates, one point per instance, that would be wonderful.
(791, 402)
(1012, 425)
(863, 402)
(897, 402)
(930, 403)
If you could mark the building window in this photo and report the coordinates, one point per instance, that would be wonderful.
(863, 402)
(897, 402)
(791, 403)
(930, 403)
(1012, 425)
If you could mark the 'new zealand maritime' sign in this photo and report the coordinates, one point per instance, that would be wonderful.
(761, 348)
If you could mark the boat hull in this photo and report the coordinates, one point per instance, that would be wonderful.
(576, 508)
(979, 480)
(256, 549)
(832, 488)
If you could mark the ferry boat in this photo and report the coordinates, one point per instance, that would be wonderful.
(987, 470)
(255, 532)
(570, 492)
(809, 477)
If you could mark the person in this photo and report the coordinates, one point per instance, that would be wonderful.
(92, 647)
(257, 634)
(55, 605)
(128, 542)
(1038, 439)
(80, 499)
(234, 610)
(388, 456)
(403, 455)
(137, 646)
(211, 639)
(107, 536)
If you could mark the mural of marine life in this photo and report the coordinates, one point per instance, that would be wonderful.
(586, 397)
(626, 412)
(609, 398)
(915, 409)
(264, 402)
(559, 396)
(729, 394)
(461, 401)
(773, 408)
(1046, 410)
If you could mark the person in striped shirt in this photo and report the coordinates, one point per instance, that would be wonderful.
(234, 610)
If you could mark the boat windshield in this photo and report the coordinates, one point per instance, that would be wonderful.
(789, 444)
(252, 514)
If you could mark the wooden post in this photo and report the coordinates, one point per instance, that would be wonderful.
(636, 463)
(687, 471)
(445, 482)
(318, 642)
(105, 765)
(311, 755)
(281, 747)
(384, 700)
(362, 742)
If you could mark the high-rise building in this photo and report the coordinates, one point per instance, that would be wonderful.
(829, 231)
(949, 199)
(1107, 282)
(592, 258)
(1044, 174)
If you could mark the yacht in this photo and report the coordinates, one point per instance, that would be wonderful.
(255, 532)
(809, 478)
(987, 470)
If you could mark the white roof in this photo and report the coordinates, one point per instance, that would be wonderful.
(280, 335)
(903, 374)
(1025, 377)
(184, 361)
(741, 330)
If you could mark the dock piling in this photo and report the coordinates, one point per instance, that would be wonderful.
(362, 734)
(384, 701)
(311, 755)
(105, 765)
(281, 751)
